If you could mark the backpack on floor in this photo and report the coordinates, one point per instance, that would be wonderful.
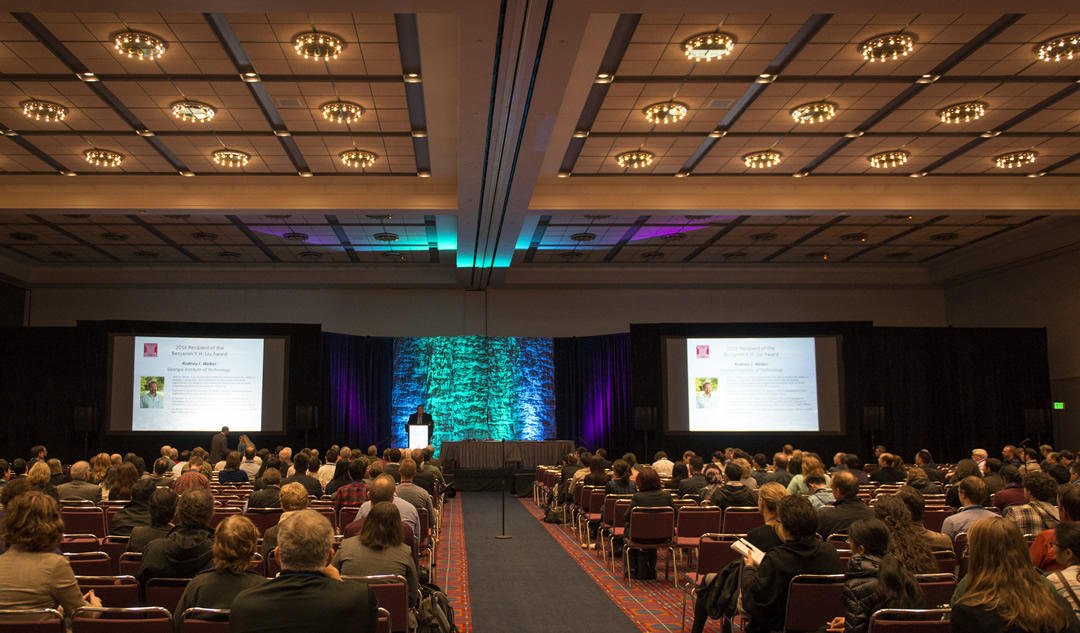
(434, 614)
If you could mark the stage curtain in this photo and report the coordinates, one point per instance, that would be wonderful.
(357, 378)
(593, 406)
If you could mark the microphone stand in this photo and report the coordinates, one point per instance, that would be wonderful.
(506, 471)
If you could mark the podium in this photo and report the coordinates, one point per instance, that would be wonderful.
(419, 435)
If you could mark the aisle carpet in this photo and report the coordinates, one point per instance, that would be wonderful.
(528, 584)
(451, 569)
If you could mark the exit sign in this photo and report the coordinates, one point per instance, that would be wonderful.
(1060, 406)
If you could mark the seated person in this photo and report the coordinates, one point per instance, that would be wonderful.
(294, 498)
(32, 574)
(269, 496)
(379, 549)
(235, 540)
(162, 508)
(41, 479)
(232, 474)
(1043, 552)
(1040, 511)
(136, 512)
(847, 509)
(597, 473)
(649, 495)
(693, 484)
(187, 549)
(1066, 580)
(353, 492)
(906, 542)
(308, 595)
(917, 479)
(917, 507)
(734, 492)
(1012, 494)
(765, 586)
(311, 484)
(80, 487)
(384, 488)
(820, 494)
(874, 579)
(620, 483)
(971, 491)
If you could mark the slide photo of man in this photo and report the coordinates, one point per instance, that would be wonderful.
(706, 397)
(151, 396)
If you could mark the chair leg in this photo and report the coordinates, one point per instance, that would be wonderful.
(626, 566)
(675, 563)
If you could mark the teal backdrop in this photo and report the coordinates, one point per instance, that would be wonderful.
(475, 387)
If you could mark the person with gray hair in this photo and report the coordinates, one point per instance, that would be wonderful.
(308, 594)
(80, 487)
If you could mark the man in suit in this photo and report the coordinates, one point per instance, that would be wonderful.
(393, 467)
(848, 509)
(693, 484)
(314, 488)
(309, 593)
(422, 418)
(80, 487)
(219, 446)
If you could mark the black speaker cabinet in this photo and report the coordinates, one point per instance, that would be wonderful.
(645, 418)
(873, 418)
(307, 417)
(84, 419)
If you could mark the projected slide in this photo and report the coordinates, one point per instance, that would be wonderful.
(197, 384)
(752, 384)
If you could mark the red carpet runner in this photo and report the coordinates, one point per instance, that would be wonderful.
(654, 605)
(451, 569)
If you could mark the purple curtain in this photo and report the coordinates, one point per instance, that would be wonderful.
(357, 377)
(593, 406)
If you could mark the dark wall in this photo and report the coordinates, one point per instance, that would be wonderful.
(50, 371)
(944, 389)
(12, 304)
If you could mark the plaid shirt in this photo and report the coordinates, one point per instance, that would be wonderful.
(191, 479)
(1033, 517)
(352, 494)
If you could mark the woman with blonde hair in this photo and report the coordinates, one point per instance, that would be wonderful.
(811, 465)
(235, 542)
(1003, 591)
(99, 465)
(40, 477)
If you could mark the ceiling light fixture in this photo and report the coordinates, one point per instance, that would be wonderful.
(563, 174)
(357, 158)
(304, 174)
(317, 46)
(251, 78)
(763, 159)
(887, 46)
(582, 133)
(43, 110)
(139, 44)
(665, 112)
(186, 173)
(927, 79)
(231, 158)
(706, 47)
(682, 173)
(635, 159)
(765, 78)
(814, 112)
(854, 134)
(412, 78)
(718, 133)
(1012, 160)
(103, 157)
(604, 78)
(342, 111)
(88, 77)
(193, 111)
(419, 133)
(423, 173)
(889, 159)
(1055, 49)
(962, 112)
(67, 172)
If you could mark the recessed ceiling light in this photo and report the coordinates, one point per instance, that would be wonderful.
(282, 132)
(765, 78)
(204, 236)
(419, 133)
(412, 78)
(251, 78)
(396, 256)
(854, 237)
(67, 172)
(8, 132)
(1062, 47)
(604, 78)
(103, 157)
(650, 255)
(734, 255)
(386, 237)
(944, 237)
(581, 134)
(380, 217)
(706, 47)
(584, 236)
(763, 159)
(140, 45)
(295, 236)
(144, 132)
(47, 111)
(889, 159)
(800, 174)
(854, 134)
(888, 46)
(718, 134)
(673, 237)
(310, 254)
(304, 174)
(228, 255)
(1038, 174)
(423, 173)
(927, 79)
(682, 173)
(146, 254)
(88, 77)
(990, 134)
(186, 173)
(318, 46)
(358, 158)
(563, 174)
(571, 255)
(918, 174)
(231, 158)
(763, 237)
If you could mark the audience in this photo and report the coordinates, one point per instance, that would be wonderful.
(964, 468)
(379, 549)
(162, 507)
(269, 495)
(693, 484)
(417, 496)
(340, 476)
(1012, 493)
(80, 487)
(136, 512)
(1066, 580)
(353, 492)
(232, 474)
(235, 541)
(918, 479)
(733, 492)
(620, 482)
(993, 479)
(906, 541)
(1042, 548)
(820, 495)
(1039, 512)
(187, 549)
(971, 491)
(917, 507)
(41, 479)
(384, 489)
(811, 465)
(293, 498)
(847, 509)
(301, 476)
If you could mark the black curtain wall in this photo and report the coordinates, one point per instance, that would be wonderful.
(357, 378)
(593, 405)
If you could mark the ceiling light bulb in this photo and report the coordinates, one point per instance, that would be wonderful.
(635, 159)
(763, 159)
(706, 47)
(889, 159)
(888, 46)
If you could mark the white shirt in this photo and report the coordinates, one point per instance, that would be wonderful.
(177, 470)
(326, 473)
(663, 467)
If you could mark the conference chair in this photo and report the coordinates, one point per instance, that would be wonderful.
(593, 510)
(813, 600)
(130, 562)
(839, 541)
(946, 562)
(222, 513)
(31, 621)
(383, 626)
(933, 518)
(714, 554)
(84, 520)
(121, 620)
(910, 621)
(264, 518)
(651, 529)
(692, 522)
(273, 565)
(201, 620)
(115, 591)
(328, 512)
(74, 543)
(618, 525)
(392, 591)
(741, 519)
(89, 563)
(937, 588)
(607, 523)
(114, 546)
(165, 592)
(424, 541)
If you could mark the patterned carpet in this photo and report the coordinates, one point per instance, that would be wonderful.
(451, 569)
(654, 605)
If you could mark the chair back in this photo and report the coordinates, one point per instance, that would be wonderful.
(130, 562)
(839, 541)
(200, 620)
(910, 621)
(425, 527)
(715, 553)
(384, 623)
(346, 515)
(392, 592)
(653, 526)
(595, 504)
(813, 600)
(121, 620)
(31, 621)
(618, 515)
(328, 512)
(937, 588)
(72, 543)
(115, 591)
(84, 520)
(273, 565)
(264, 518)
(693, 521)
(740, 519)
(165, 592)
(575, 496)
(934, 518)
(114, 546)
(222, 513)
(89, 563)
(946, 562)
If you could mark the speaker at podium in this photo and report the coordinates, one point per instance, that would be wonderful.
(419, 428)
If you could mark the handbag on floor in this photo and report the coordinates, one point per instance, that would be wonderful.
(434, 613)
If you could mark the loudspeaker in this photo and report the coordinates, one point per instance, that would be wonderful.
(307, 417)
(84, 419)
(873, 418)
(1035, 421)
(644, 418)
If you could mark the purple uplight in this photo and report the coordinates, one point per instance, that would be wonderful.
(653, 231)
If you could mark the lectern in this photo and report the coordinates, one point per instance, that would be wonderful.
(418, 435)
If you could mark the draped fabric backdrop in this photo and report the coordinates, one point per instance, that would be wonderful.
(357, 379)
(592, 391)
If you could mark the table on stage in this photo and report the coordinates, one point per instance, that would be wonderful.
(489, 454)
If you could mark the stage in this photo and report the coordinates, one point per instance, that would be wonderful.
(490, 465)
